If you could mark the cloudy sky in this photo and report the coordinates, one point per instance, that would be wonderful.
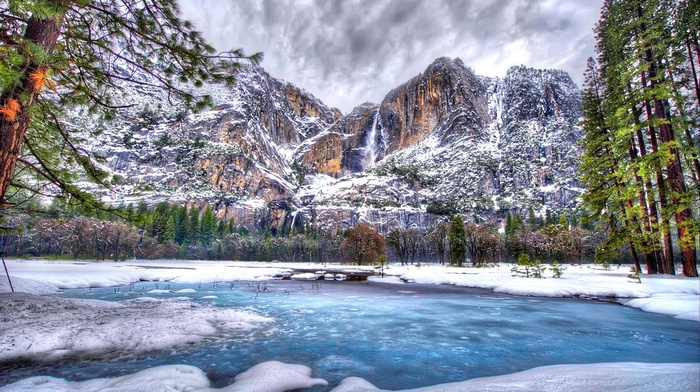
(347, 52)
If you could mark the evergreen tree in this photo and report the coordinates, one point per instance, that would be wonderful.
(181, 226)
(563, 222)
(129, 213)
(457, 238)
(142, 213)
(193, 226)
(232, 227)
(73, 48)
(637, 98)
(207, 227)
(509, 229)
(549, 217)
(532, 221)
(599, 168)
(169, 235)
(159, 222)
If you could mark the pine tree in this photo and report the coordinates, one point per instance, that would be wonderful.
(181, 226)
(509, 230)
(207, 227)
(599, 170)
(643, 103)
(159, 222)
(232, 226)
(532, 221)
(193, 226)
(457, 237)
(169, 235)
(73, 48)
(563, 222)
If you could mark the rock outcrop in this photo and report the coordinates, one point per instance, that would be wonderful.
(345, 147)
(271, 155)
(446, 100)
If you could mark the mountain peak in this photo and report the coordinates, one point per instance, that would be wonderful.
(446, 141)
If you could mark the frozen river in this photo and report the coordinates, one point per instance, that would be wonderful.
(395, 336)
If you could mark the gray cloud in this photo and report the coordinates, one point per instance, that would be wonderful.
(351, 51)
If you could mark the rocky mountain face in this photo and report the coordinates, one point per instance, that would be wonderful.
(272, 155)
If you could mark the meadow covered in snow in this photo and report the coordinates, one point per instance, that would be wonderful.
(34, 323)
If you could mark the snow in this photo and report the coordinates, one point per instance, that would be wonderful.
(37, 326)
(305, 276)
(638, 377)
(275, 376)
(673, 295)
(72, 275)
(270, 376)
(51, 327)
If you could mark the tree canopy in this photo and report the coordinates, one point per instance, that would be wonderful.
(59, 54)
(641, 110)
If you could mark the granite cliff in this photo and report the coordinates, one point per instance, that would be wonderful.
(270, 154)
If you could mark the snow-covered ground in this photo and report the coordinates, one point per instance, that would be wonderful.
(276, 376)
(35, 326)
(674, 295)
(32, 325)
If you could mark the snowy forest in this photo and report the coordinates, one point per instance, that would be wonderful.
(178, 232)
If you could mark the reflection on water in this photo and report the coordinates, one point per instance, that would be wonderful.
(398, 336)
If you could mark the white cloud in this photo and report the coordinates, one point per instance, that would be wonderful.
(352, 51)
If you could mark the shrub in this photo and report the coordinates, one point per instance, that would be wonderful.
(557, 269)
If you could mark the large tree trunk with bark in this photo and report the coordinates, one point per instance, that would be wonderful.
(650, 256)
(676, 182)
(651, 202)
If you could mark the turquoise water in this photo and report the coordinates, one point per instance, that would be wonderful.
(398, 336)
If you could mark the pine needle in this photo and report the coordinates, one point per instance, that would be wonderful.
(39, 78)
(10, 109)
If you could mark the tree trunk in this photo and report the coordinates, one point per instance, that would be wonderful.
(661, 187)
(44, 33)
(675, 180)
(691, 155)
(693, 71)
(651, 203)
(650, 256)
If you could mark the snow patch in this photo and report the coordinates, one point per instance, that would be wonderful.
(28, 325)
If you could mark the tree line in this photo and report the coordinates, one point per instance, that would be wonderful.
(641, 112)
(170, 231)
(548, 238)
(163, 231)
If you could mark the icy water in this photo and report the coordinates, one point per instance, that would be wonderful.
(400, 336)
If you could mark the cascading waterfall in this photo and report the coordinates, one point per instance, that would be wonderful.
(371, 148)
(294, 218)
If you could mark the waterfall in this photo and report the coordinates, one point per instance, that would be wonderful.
(371, 148)
(294, 218)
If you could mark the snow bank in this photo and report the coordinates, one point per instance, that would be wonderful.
(628, 376)
(674, 295)
(23, 285)
(265, 377)
(305, 276)
(682, 306)
(76, 274)
(274, 376)
(279, 377)
(39, 326)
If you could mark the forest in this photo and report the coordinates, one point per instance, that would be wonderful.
(166, 231)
